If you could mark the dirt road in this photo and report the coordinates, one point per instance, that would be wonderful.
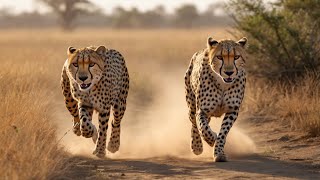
(249, 167)
(284, 155)
(155, 144)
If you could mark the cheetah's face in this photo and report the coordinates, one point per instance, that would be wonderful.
(85, 66)
(227, 57)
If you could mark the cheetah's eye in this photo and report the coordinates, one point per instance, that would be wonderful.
(236, 57)
(91, 64)
(75, 64)
(220, 57)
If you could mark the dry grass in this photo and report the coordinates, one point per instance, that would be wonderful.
(29, 147)
(300, 105)
(296, 105)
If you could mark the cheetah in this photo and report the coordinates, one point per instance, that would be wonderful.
(215, 85)
(96, 78)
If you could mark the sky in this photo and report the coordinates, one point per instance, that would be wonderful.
(18, 6)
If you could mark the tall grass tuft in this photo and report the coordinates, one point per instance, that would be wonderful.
(29, 147)
(296, 105)
(300, 104)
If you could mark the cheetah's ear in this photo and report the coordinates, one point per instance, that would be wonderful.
(211, 42)
(101, 50)
(71, 50)
(243, 41)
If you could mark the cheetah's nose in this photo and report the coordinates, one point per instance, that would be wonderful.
(83, 78)
(229, 73)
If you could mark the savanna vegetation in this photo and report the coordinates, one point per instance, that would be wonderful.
(71, 14)
(284, 80)
(29, 145)
(285, 59)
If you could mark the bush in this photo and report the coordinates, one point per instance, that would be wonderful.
(284, 46)
(284, 36)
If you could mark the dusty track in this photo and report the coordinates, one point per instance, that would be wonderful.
(155, 144)
(253, 166)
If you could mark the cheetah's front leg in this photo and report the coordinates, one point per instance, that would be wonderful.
(226, 125)
(71, 104)
(203, 126)
(100, 150)
(87, 129)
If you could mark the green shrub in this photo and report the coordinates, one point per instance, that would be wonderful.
(284, 36)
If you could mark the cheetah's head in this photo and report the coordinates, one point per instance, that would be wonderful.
(85, 66)
(227, 57)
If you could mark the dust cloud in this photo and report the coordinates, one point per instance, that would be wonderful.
(160, 129)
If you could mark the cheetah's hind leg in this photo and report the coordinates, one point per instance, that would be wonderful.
(118, 112)
(119, 108)
(196, 142)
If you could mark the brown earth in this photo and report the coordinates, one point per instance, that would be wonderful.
(282, 156)
(155, 146)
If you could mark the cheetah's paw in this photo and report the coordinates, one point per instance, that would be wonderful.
(99, 153)
(211, 139)
(88, 131)
(113, 145)
(76, 129)
(95, 134)
(197, 149)
(196, 144)
(220, 158)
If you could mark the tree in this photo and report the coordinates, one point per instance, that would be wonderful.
(68, 10)
(186, 15)
(284, 36)
(133, 18)
(155, 18)
(127, 18)
(214, 16)
(5, 12)
(214, 8)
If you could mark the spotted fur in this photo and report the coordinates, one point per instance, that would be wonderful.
(96, 79)
(215, 85)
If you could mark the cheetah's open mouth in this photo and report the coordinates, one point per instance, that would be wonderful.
(85, 86)
(228, 80)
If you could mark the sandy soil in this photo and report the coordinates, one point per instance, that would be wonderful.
(155, 144)
(253, 166)
(287, 159)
